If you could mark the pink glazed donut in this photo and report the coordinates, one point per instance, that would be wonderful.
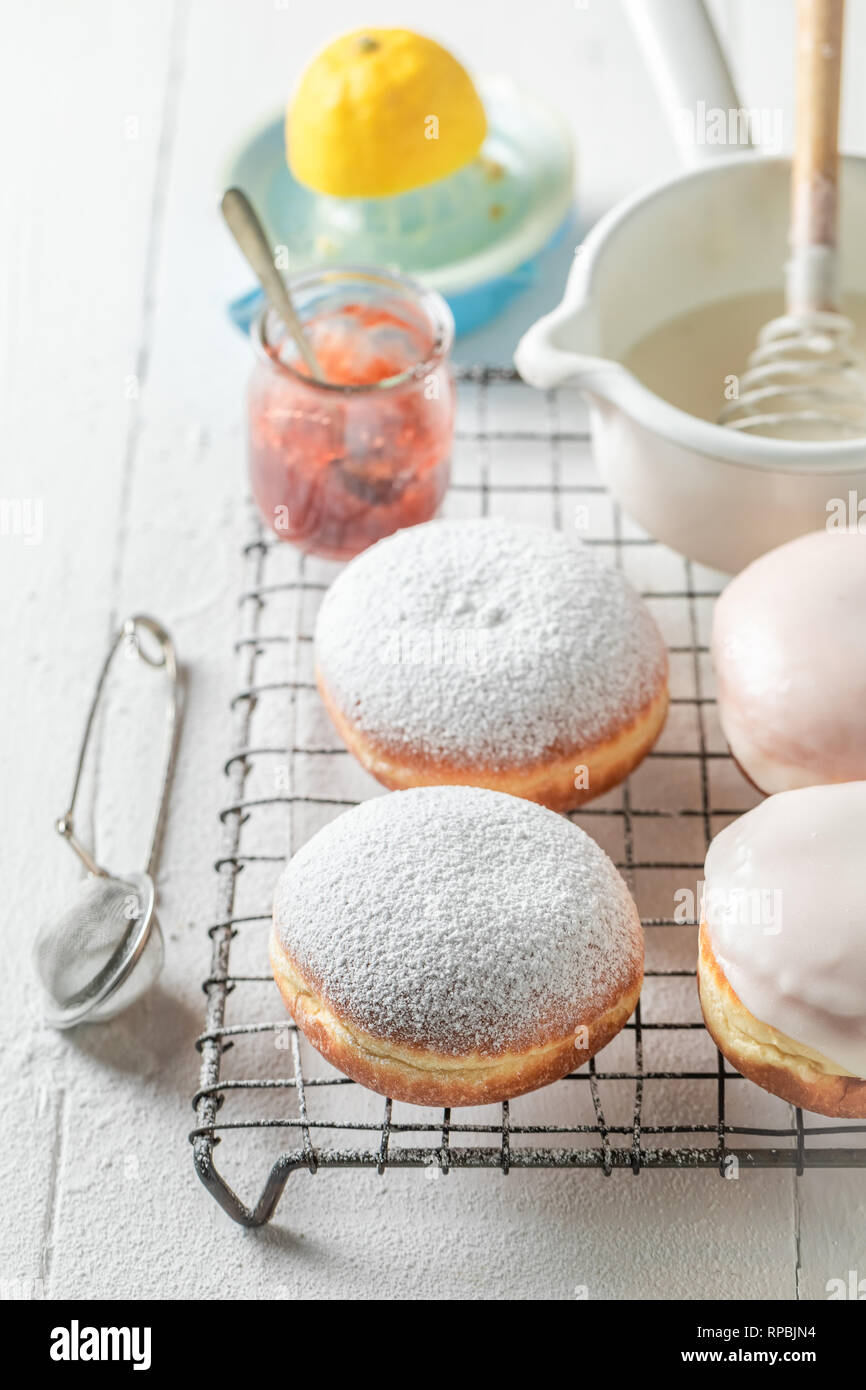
(789, 651)
(782, 969)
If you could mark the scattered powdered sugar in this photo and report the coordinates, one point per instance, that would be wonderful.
(460, 919)
(496, 641)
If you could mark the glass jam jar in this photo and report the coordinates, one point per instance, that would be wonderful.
(336, 465)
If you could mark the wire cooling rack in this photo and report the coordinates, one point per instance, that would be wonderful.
(660, 1095)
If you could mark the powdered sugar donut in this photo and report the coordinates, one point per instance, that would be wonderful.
(453, 946)
(789, 650)
(494, 654)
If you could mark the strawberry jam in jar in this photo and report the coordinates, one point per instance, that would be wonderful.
(338, 464)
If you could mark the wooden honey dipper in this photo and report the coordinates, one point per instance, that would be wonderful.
(804, 380)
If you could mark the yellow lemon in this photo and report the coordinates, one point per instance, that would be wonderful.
(381, 111)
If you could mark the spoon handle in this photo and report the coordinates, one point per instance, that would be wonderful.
(248, 232)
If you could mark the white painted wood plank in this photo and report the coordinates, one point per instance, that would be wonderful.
(77, 189)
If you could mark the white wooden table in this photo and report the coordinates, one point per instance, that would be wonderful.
(122, 396)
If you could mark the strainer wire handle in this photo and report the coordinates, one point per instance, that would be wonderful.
(129, 636)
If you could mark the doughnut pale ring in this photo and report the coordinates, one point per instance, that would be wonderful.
(782, 966)
(455, 946)
(495, 654)
(789, 650)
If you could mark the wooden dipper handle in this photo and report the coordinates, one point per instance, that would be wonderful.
(815, 170)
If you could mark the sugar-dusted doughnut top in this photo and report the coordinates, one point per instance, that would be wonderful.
(786, 915)
(459, 920)
(489, 641)
(789, 649)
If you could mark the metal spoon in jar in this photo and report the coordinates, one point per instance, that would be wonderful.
(244, 224)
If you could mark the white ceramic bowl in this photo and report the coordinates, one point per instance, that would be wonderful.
(716, 495)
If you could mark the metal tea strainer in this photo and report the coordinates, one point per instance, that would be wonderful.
(106, 949)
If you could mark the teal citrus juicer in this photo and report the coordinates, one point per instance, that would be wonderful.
(477, 236)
